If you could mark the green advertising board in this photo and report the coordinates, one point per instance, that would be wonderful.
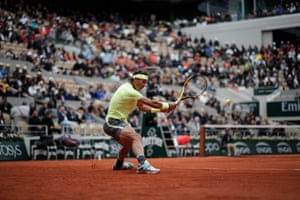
(283, 109)
(152, 136)
(212, 147)
(264, 90)
(13, 150)
(254, 146)
(268, 146)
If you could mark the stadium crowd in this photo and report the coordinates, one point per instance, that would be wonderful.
(110, 49)
(278, 8)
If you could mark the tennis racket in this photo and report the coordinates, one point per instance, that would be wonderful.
(193, 87)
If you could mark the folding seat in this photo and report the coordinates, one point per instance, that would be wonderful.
(101, 150)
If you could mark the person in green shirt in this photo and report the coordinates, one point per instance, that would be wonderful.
(125, 99)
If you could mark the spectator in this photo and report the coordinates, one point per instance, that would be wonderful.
(35, 123)
(71, 113)
(194, 125)
(43, 109)
(153, 87)
(3, 72)
(64, 121)
(49, 122)
(5, 106)
(100, 92)
(3, 127)
(228, 143)
(204, 116)
(87, 116)
(32, 108)
(4, 87)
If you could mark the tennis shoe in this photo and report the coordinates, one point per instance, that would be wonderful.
(126, 165)
(147, 168)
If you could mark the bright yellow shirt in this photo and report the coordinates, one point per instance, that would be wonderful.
(123, 102)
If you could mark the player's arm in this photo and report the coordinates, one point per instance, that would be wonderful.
(149, 105)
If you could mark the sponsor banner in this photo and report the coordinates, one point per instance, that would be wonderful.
(153, 142)
(212, 147)
(274, 146)
(264, 91)
(152, 136)
(243, 147)
(247, 147)
(263, 147)
(13, 150)
(154, 146)
(283, 109)
(284, 147)
(268, 146)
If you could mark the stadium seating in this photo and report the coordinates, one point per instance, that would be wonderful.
(52, 152)
(84, 150)
(13, 53)
(101, 150)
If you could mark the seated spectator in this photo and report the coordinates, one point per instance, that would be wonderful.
(87, 116)
(4, 87)
(83, 94)
(71, 113)
(38, 95)
(153, 87)
(228, 143)
(79, 115)
(5, 106)
(99, 92)
(49, 122)
(3, 127)
(42, 110)
(3, 72)
(64, 121)
(35, 122)
(194, 125)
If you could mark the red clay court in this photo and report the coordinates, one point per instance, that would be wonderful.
(265, 177)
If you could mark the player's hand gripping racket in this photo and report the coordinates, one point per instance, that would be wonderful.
(193, 87)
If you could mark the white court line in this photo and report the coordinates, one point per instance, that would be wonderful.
(252, 169)
(239, 169)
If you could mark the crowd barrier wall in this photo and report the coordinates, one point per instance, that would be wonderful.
(12, 150)
(251, 146)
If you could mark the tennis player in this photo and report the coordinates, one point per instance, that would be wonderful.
(126, 98)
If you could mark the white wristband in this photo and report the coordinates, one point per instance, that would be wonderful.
(165, 105)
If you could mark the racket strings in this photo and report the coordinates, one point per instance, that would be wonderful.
(195, 87)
